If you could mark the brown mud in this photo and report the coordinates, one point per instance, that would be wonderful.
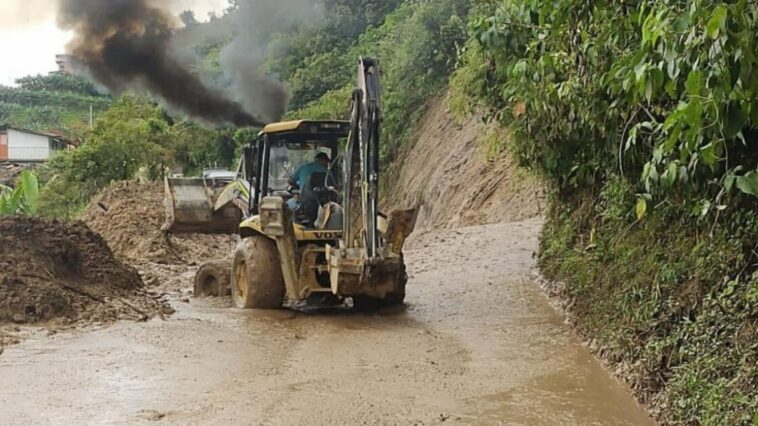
(129, 215)
(477, 343)
(64, 274)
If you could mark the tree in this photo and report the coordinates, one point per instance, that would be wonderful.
(188, 18)
(663, 92)
(131, 136)
(59, 83)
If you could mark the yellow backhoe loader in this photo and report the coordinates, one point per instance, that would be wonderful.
(305, 205)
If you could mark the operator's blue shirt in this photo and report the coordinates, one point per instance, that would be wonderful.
(302, 175)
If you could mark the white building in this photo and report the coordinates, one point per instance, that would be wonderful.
(65, 64)
(22, 145)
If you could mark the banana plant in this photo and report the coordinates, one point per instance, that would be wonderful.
(24, 199)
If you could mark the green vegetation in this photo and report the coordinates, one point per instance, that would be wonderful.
(417, 45)
(660, 91)
(674, 299)
(320, 59)
(23, 199)
(643, 117)
(416, 41)
(56, 102)
(134, 137)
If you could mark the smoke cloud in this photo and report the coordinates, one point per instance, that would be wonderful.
(254, 22)
(125, 44)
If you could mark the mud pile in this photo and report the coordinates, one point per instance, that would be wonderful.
(64, 273)
(129, 215)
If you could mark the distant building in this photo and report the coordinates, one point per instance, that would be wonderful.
(26, 146)
(65, 64)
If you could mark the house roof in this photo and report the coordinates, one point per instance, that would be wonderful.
(5, 127)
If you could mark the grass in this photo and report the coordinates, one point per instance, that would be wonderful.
(666, 296)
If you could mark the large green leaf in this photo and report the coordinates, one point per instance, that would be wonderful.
(4, 209)
(24, 199)
(29, 187)
(15, 200)
(670, 175)
(717, 21)
(682, 23)
(694, 83)
(748, 183)
(641, 208)
(708, 153)
(694, 114)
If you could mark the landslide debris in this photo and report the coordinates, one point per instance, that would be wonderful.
(129, 215)
(64, 273)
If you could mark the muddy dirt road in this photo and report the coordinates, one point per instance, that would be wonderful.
(477, 344)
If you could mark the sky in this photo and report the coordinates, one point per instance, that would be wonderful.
(30, 38)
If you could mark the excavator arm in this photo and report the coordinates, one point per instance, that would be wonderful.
(368, 264)
(362, 162)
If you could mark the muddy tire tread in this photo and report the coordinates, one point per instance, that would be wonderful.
(217, 271)
(265, 283)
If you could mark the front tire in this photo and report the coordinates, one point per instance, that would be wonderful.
(257, 281)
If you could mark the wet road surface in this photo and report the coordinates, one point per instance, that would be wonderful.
(477, 344)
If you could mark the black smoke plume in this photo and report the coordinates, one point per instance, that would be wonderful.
(125, 44)
(254, 23)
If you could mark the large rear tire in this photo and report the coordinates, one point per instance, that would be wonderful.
(257, 281)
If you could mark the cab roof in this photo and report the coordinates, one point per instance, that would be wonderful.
(338, 128)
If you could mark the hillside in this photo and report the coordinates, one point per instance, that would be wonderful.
(56, 102)
(447, 170)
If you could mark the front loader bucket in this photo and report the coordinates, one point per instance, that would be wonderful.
(190, 209)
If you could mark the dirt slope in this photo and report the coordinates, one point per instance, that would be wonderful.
(129, 215)
(54, 271)
(447, 170)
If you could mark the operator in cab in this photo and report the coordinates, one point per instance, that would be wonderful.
(302, 176)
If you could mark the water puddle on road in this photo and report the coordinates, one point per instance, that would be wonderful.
(562, 399)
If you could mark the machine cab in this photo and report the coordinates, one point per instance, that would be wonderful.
(284, 151)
